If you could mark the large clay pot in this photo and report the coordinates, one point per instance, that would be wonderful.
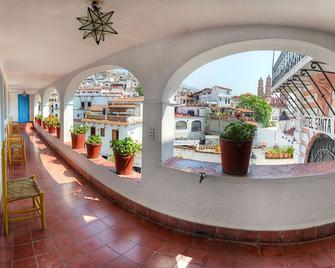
(235, 156)
(52, 129)
(124, 164)
(78, 141)
(58, 132)
(93, 150)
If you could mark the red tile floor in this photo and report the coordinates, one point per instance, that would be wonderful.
(84, 229)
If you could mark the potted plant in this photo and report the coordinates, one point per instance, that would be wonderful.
(52, 123)
(39, 119)
(93, 146)
(78, 136)
(235, 145)
(124, 153)
(45, 122)
(58, 129)
(290, 151)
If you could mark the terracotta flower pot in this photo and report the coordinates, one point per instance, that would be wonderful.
(45, 126)
(52, 129)
(286, 155)
(124, 164)
(78, 141)
(58, 132)
(39, 122)
(93, 150)
(235, 156)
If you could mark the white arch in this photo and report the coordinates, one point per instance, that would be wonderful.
(188, 67)
(303, 47)
(45, 100)
(72, 87)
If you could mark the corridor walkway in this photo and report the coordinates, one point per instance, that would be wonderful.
(84, 229)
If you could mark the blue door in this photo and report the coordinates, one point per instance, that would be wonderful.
(23, 108)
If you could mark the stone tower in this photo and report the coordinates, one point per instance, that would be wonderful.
(260, 88)
(268, 87)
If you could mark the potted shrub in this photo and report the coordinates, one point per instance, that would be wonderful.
(93, 146)
(235, 145)
(78, 136)
(39, 119)
(124, 154)
(52, 123)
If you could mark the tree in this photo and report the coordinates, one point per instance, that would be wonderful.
(259, 105)
(139, 90)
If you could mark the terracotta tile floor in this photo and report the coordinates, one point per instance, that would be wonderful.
(87, 230)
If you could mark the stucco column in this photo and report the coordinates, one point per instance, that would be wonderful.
(151, 153)
(45, 107)
(66, 117)
(168, 130)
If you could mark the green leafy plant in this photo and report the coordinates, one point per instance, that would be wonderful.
(259, 105)
(290, 150)
(82, 129)
(94, 139)
(52, 121)
(39, 116)
(279, 152)
(139, 90)
(239, 131)
(125, 147)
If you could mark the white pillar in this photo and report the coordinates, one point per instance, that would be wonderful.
(45, 107)
(168, 131)
(66, 116)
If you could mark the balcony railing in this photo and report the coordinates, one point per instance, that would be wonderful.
(285, 62)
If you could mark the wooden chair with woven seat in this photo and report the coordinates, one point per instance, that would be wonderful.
(19, 189)
(14, 128)
(16, 150)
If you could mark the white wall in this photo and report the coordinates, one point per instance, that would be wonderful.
(188, 133)
(13, 106)
(262, 204)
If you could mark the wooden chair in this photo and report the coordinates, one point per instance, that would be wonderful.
(14, 128)
(16, 149)
(18, 189)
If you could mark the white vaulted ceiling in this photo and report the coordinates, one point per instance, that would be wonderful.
(40, 41)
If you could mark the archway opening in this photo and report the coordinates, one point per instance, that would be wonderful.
(257, 87)
(51, 103)
(109, 101)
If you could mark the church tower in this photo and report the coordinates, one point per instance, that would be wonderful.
(268, 87)
(260, 88)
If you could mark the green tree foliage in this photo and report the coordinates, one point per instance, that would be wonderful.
(139, 90)
(259, 105)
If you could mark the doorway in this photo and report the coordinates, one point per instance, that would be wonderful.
(23, 108)
(115, 134)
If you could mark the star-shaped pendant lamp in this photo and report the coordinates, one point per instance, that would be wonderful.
(96, 24)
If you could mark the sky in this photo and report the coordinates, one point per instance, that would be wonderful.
(239, 72)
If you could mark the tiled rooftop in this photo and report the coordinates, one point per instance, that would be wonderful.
(85, 229)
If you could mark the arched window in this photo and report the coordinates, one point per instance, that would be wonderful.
(196, 126)
(181, 125)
